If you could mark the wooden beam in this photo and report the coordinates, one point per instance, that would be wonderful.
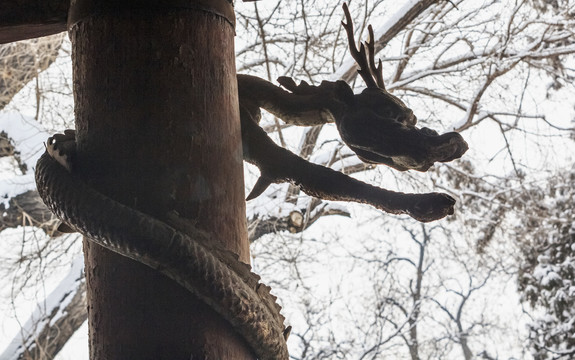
(26, 19)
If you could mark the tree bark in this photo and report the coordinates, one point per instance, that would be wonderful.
(158, 129)
(27, 209)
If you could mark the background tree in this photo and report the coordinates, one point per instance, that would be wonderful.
(499, 71)
(546, 273)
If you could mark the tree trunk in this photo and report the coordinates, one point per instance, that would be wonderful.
(158, 129)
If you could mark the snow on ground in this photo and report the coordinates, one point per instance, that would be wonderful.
(28, 137)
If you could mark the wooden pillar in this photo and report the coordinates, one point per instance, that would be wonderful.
(158, 129)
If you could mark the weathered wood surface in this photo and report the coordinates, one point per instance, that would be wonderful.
(154, 141)
(27, 19)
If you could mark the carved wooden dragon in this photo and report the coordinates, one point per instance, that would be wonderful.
(377, 126)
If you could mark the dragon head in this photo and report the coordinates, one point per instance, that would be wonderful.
(380, 128)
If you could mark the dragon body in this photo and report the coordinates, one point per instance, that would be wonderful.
(215, 276)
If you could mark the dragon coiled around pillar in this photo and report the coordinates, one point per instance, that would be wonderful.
(376, 125)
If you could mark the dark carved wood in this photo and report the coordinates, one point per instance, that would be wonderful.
(26, 19)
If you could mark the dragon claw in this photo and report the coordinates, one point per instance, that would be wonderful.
(431, 207)
(62, 148)
(261, 185)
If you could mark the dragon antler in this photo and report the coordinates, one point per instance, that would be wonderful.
(371, 74)
(376, 71)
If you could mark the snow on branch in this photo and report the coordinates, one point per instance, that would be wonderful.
(61, 313)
